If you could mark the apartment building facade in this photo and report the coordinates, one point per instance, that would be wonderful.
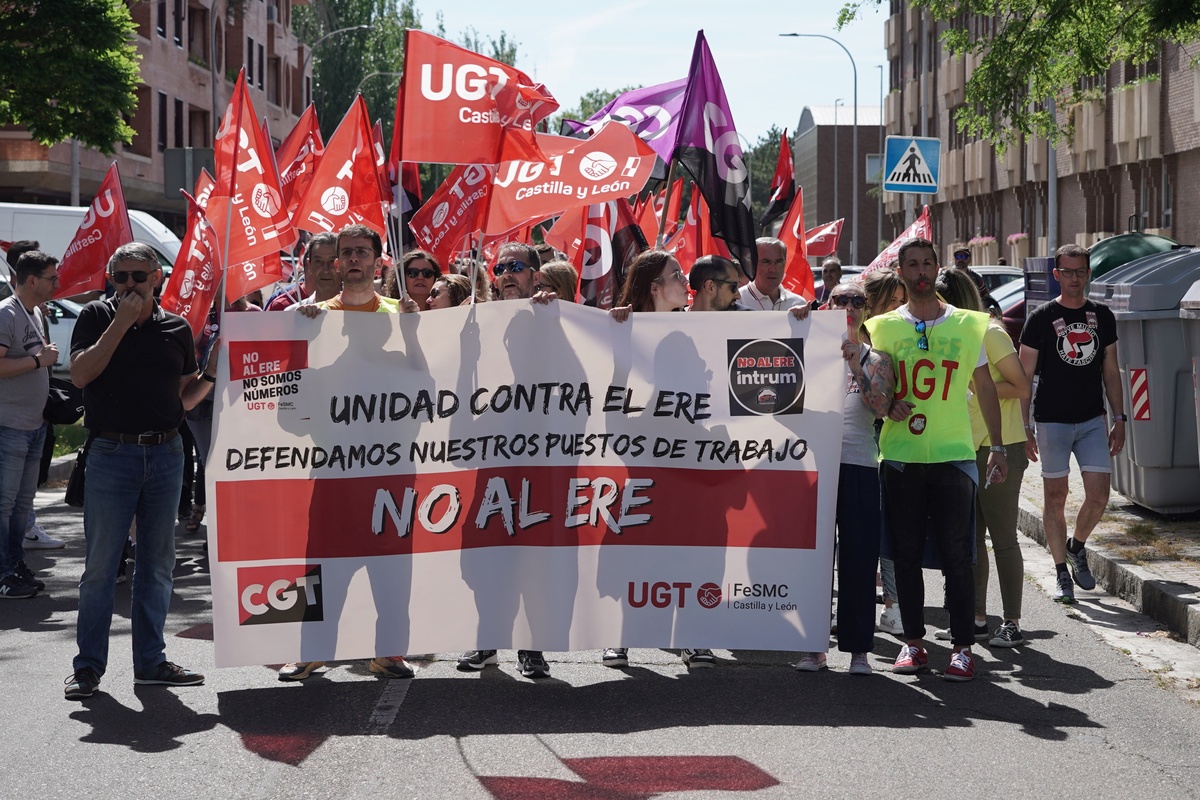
(176, 100)
(1129, 164)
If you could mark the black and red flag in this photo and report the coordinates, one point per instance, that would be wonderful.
(783, 185)
(708, 149)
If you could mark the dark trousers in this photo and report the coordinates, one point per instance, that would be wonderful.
(858, 556)
(932, 500)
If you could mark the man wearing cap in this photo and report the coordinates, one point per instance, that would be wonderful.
(962, 261)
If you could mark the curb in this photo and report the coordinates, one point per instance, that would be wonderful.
(1172, 603)
(60, 468)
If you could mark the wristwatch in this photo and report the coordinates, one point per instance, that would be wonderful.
(998, 448)
(1120, 418)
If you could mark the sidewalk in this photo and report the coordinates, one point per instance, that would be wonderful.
(1144, 558)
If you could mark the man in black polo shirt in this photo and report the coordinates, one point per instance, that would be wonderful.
(137, 366)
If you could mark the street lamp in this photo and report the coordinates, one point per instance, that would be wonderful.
(331, 34)
(854, 67)
(835, 157)
(368, 76)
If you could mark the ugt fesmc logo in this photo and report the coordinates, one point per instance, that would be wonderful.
(284, 593)
(766, 377)
(661, 594)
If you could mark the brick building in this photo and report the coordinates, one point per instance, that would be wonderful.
(1134, 142)
(175, 100)
(824, 157)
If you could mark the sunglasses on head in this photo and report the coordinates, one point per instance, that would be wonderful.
(923, 342)
(515, 267)
(121, 276)
(424, 272)
(843, 300)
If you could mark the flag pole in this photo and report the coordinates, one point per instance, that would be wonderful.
(662, 220)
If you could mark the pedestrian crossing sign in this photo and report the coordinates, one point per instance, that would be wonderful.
(911, 164)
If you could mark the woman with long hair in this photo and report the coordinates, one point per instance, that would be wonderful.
(559, 277)
(995, 506)
(449, 291)
(421, 270)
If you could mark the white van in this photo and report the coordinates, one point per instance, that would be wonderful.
(54, 227)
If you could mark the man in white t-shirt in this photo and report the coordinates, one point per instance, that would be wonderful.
(765, 292)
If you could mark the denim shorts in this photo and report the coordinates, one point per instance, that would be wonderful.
(1087, 440)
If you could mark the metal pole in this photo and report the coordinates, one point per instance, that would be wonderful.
(835, 156)
(1051, 189)
(855, 193)
(212, 66)
(313, 48)
(74, 172)
(879, 214)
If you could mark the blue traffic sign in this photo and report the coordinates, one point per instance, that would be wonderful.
(911, 164)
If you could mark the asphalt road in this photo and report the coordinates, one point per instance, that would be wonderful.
(1095, 706)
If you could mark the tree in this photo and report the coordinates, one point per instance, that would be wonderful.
(69, 70)
(503, 49)
(1041, 49)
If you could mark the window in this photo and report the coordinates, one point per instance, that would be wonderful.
(261, 69)
(161, 18)
(162, 121)
(249, 61)
(1168, 197)
(180, 15)
(178, 122)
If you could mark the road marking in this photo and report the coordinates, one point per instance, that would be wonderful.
(387, 706)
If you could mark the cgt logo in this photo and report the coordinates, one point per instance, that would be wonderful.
(284, 593)
(661, 594)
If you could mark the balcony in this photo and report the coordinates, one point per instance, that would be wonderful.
(952, 176)
(953, 73)
(892, 105)
(912, 103)
(1012, 162)
(1136, 122)
(891, 36)
(1035, 162)
(977, 167)
(912, 17)
(1087, 142)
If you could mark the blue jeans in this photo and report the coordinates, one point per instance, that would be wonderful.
(124, 482)
(20, 457)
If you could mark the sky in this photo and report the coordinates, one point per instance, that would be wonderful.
(576, 47)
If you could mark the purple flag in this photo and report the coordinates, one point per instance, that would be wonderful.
(707, 148)
(652, 113)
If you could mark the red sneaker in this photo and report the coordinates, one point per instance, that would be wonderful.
(962, 667)
(911, 660)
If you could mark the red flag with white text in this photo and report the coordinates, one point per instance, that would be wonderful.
(822, 240)
(695, 238)
(298, 157)
(247, 189)
(920, 229)
(458, 107)
(798, 275)
(104, 228)
(454, 211)
(601, 240)
(783, 185)
(196, 275)
(346, 186)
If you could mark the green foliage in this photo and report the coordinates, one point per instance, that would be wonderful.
(1043, 49)
(69, 70)
(503, 49)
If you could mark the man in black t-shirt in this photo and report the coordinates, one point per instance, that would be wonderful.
(1071, 344)
(137, 366)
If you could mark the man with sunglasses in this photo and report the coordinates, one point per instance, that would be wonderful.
(714, 280)
(136, 365)
(24, 381)
(515, 271)
(929, 474)
(962, 261)
(1071, 344)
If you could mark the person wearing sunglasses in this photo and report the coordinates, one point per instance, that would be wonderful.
(558, 277)
(449, 291)
(929, 474)
(1071, 344)
(137, 366)
(420, 270)
(714, 284)
(515, 271)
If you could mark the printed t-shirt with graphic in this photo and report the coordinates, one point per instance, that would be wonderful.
(1070, 344)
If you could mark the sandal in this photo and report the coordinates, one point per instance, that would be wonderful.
(193, 523)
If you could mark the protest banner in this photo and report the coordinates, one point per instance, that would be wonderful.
(515, 475)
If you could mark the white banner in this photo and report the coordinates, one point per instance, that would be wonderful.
(513, 475)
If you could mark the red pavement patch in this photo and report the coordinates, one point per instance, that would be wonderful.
(551, 789)
(636, 778)
(202, 631)
(290, 748)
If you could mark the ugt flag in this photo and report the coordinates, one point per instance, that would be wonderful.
(783, 185)
(919, 229)
(105, 227)
(708, 149)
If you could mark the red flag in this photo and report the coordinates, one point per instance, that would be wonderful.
(104, 228)
(381, 162)
(601, 241)
(454, 211)
(345, 187)
(458, 107)
(695, 238)
(613, 163)
(247, 185)
(783, 185)
(491, 244)
(920, 229)
(203, 190)
(822, 240)
(196, 275)
(299, 155)
(798, 275)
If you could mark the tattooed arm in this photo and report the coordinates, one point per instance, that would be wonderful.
(875, 376)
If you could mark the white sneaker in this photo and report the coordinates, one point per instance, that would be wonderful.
(37, 539)
(860, 665)
(811, 662)
(889, 621)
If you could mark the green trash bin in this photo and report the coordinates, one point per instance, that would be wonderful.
(1159, 467)
(1115, 251)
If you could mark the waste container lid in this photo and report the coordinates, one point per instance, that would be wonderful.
(1152, 283)
(1116, 251)
(1191, 301)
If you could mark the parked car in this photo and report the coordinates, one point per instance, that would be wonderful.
(1011, 297)
(995, 276)
(61, 316)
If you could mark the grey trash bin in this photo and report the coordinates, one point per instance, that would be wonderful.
(1189, 312)
(1159, 467)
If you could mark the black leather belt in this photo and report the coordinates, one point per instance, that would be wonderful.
(144, 439)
